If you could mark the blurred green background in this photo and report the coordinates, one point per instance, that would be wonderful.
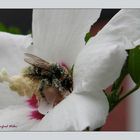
(17, 21)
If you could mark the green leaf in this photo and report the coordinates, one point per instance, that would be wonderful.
(87, 37)
(11, 29)
(71, 70)
(3, 27)
(14, 30)
(134, 64)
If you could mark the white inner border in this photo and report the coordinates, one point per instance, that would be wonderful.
(70, 135)
(69, 4)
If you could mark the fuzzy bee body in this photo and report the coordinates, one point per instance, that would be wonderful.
(49, 75)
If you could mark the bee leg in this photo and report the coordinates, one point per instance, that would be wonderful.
(41, 87)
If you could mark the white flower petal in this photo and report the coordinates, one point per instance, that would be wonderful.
(12, 49)
(43, 107)
(16, 118)
(58, 34)
(75, 113)
(8, 97)
(97, 67)
(125, 24)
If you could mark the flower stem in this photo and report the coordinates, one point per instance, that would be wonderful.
(126, 95)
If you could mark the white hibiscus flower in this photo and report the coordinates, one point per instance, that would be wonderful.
(58, 36)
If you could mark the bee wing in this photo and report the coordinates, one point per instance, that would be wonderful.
(36, 61)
